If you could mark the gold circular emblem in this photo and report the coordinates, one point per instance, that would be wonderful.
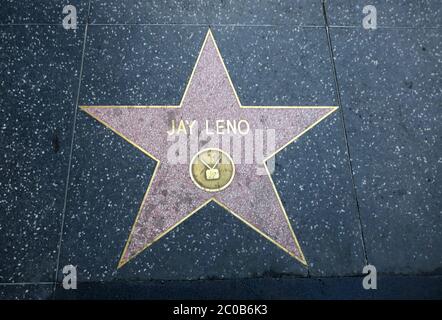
(212, 169)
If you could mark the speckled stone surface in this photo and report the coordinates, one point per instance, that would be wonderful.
(173, 257)
(50, 11)
(211, 12)
(278, 65)
(390, 13)
(39, 80)
(312, 176)
(134, 64)
(391, 98)
(26, 291)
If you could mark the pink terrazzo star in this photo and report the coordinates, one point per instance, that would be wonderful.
(172, 196)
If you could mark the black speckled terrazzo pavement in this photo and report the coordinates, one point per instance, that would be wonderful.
(362, 187)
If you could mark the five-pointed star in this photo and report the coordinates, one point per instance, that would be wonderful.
(171, 196)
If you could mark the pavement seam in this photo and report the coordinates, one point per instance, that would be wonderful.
(70, 154)
(341, 112)
(219, 25)
(284, 278)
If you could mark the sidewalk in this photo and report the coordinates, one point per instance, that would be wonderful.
(362, 187)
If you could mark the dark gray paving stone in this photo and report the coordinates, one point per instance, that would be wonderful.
(391, 97)
(39, 79)
(278, 65)
(313, 178)
(26, 291)
(109, 176)
(130, 65)
(300, 12)
(255, 56)
(29, 11)
(286, 66)
(389, 287)
(390, 13)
